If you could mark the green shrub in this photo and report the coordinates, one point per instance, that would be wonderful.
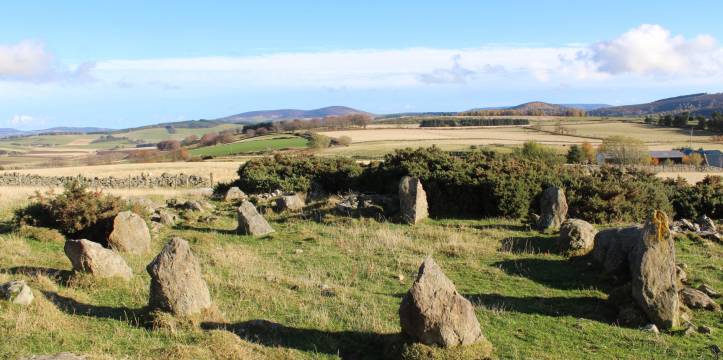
(478, 183)
(692, 201)
(318, 141)
(296, 173)
(76, 213)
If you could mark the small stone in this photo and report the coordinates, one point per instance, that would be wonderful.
(651, 328)
(17, 292)
(400, 277)
(704, 329)
(696, 299)
(293, 202)
(705, 288)
(326, 290)
(298, 251)
(690, 330)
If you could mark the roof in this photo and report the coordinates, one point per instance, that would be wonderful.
(714, 158)
(672, 154)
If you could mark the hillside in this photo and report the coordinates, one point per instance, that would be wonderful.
(287, 114)
(529, 108)
(702, 103)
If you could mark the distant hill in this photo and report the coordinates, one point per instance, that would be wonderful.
(703, 104)
(252, 117)
(586, 107)
(529, 108)
(7, 132)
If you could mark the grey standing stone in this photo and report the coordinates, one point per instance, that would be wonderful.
(177, 285)
(412, 200)
(90, 257)
(293, 202)
(130, 233)
(250, 222)
(234, 194)
(577, 237)
(653, 270)
(553, 208)
(434, 313)
(612, 247)
(17, 292)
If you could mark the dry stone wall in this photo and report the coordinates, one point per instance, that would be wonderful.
(136, 181)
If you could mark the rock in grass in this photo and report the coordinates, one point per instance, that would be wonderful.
(434, 313)
(412, 200)
(577, 237)
(90, 257)
(653, 270)
(177, 285)
(706, 224)
(250, 222)
(17, 292)
(696, 299)
(553, 209)
(293, 202)
(130, 233)
(234, 194)
(708, 290)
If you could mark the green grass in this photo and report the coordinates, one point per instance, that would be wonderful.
(531, 303)
(252, 145)
(157, 134)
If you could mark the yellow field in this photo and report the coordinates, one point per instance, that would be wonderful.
(222, 171)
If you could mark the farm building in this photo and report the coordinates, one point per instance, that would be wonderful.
(710, 157)
(672, 156)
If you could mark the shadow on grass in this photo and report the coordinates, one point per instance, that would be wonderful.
(559, 274)
(204, 229)
(530, 245)
(61, 277)
(134, 317)
(587, 307)
(348, 345)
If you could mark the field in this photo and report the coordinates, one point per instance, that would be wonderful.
(531, 303)
(376, 140)
(254, 145)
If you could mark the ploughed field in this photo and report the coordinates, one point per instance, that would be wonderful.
(325, 286)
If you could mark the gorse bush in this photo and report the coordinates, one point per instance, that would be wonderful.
(76, 213)
(703, 198)
(483, 183)
(296, 173)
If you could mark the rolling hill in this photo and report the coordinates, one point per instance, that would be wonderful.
(703, 104)
(529, 108)
(7, 132)
(288, 114)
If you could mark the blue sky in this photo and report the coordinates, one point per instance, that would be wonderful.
(120, 64)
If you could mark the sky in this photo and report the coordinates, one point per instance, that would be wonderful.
(129, 63)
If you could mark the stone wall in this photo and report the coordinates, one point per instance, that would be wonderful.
(136, 181)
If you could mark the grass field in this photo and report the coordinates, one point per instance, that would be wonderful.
(157, 134)
(531, 303)
(253, 145)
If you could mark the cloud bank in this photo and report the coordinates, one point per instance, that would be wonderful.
(31, 61)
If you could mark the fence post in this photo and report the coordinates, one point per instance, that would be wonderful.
(211, 179)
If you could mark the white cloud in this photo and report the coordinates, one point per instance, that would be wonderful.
(25, 121)
(653, 50)
(31, 61)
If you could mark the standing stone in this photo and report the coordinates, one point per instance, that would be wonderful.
(176, 282)
(577, 237)
(434, 313)
(412, 200)
(17, 292)
(130, 233)
(165, 217)
(234, 194)
(613, 246)
(293, 202)
(653, 271)
(553, 208)
(250, 222)
(90, 257)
